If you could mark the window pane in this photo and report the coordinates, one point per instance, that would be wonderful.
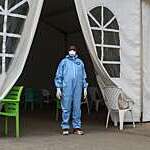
(97, 36)
(99, 52)
(96, 12)
(113, 25)
(111, 38)
(1, 23)
(92, 23)
(113, 70)
(0, 65)
(2, 2)
(111, 54)
(15, 25)
(12, 3)
(7, 63)
(1, 43)
(11, 45)
(107, 15)
(22, 10)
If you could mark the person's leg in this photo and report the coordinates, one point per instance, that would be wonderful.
(76, 114)
(66, 108)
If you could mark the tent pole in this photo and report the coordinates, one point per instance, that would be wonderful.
(66, 42)
(142, 60)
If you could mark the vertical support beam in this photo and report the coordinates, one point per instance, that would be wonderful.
(142, 60)
(4, 36)
(102, 33)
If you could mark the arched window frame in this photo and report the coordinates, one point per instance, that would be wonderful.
(8, 12)
(103, 27)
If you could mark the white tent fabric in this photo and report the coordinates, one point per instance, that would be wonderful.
(8, 79)
(128, 15)
(146, 60)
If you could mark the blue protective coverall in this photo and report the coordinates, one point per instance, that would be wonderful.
(71, 78)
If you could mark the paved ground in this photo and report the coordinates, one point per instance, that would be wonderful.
(38, 132)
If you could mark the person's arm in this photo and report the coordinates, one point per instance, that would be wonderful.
(59, 79)
(59, 75)
(85, 84)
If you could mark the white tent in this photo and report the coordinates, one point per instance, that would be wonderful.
(116, 33)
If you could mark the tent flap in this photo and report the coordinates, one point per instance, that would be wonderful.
(112, 28)
(19, 27)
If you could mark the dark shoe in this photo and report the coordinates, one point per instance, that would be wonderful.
(65, 132)
(78, 131)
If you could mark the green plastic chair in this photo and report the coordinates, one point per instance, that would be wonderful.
(29, 94)
(31, 98)
(11, 107)
(38, 97)
(58, 107)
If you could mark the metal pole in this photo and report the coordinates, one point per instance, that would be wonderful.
(141, 54)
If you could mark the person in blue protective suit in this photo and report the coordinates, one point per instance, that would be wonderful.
(70, 80)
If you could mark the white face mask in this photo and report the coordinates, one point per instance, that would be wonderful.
(72, 52)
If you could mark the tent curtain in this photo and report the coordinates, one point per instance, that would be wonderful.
(115, 51)
(16, 34)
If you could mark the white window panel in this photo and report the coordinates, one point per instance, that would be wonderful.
(106, 36)
(10, 35)
(6, 55)
(6, 12)
(109, 46)
(104, 29)
(111, 62)
(14, 15)
(17, 16)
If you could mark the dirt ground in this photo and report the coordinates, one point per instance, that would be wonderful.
(40, 132)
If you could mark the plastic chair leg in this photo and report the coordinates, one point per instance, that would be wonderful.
(115, 119)
(32, 106)
(25, 107)
(6, 126)
(17, 126)
(97, 106)
(121, 118)
(108, 118)
(132, 119)
(57, 114)
(41, 105)
(88, 107)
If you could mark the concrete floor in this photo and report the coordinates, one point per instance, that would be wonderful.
(38, 132)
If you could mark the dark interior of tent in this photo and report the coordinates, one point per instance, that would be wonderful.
(58, 28)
